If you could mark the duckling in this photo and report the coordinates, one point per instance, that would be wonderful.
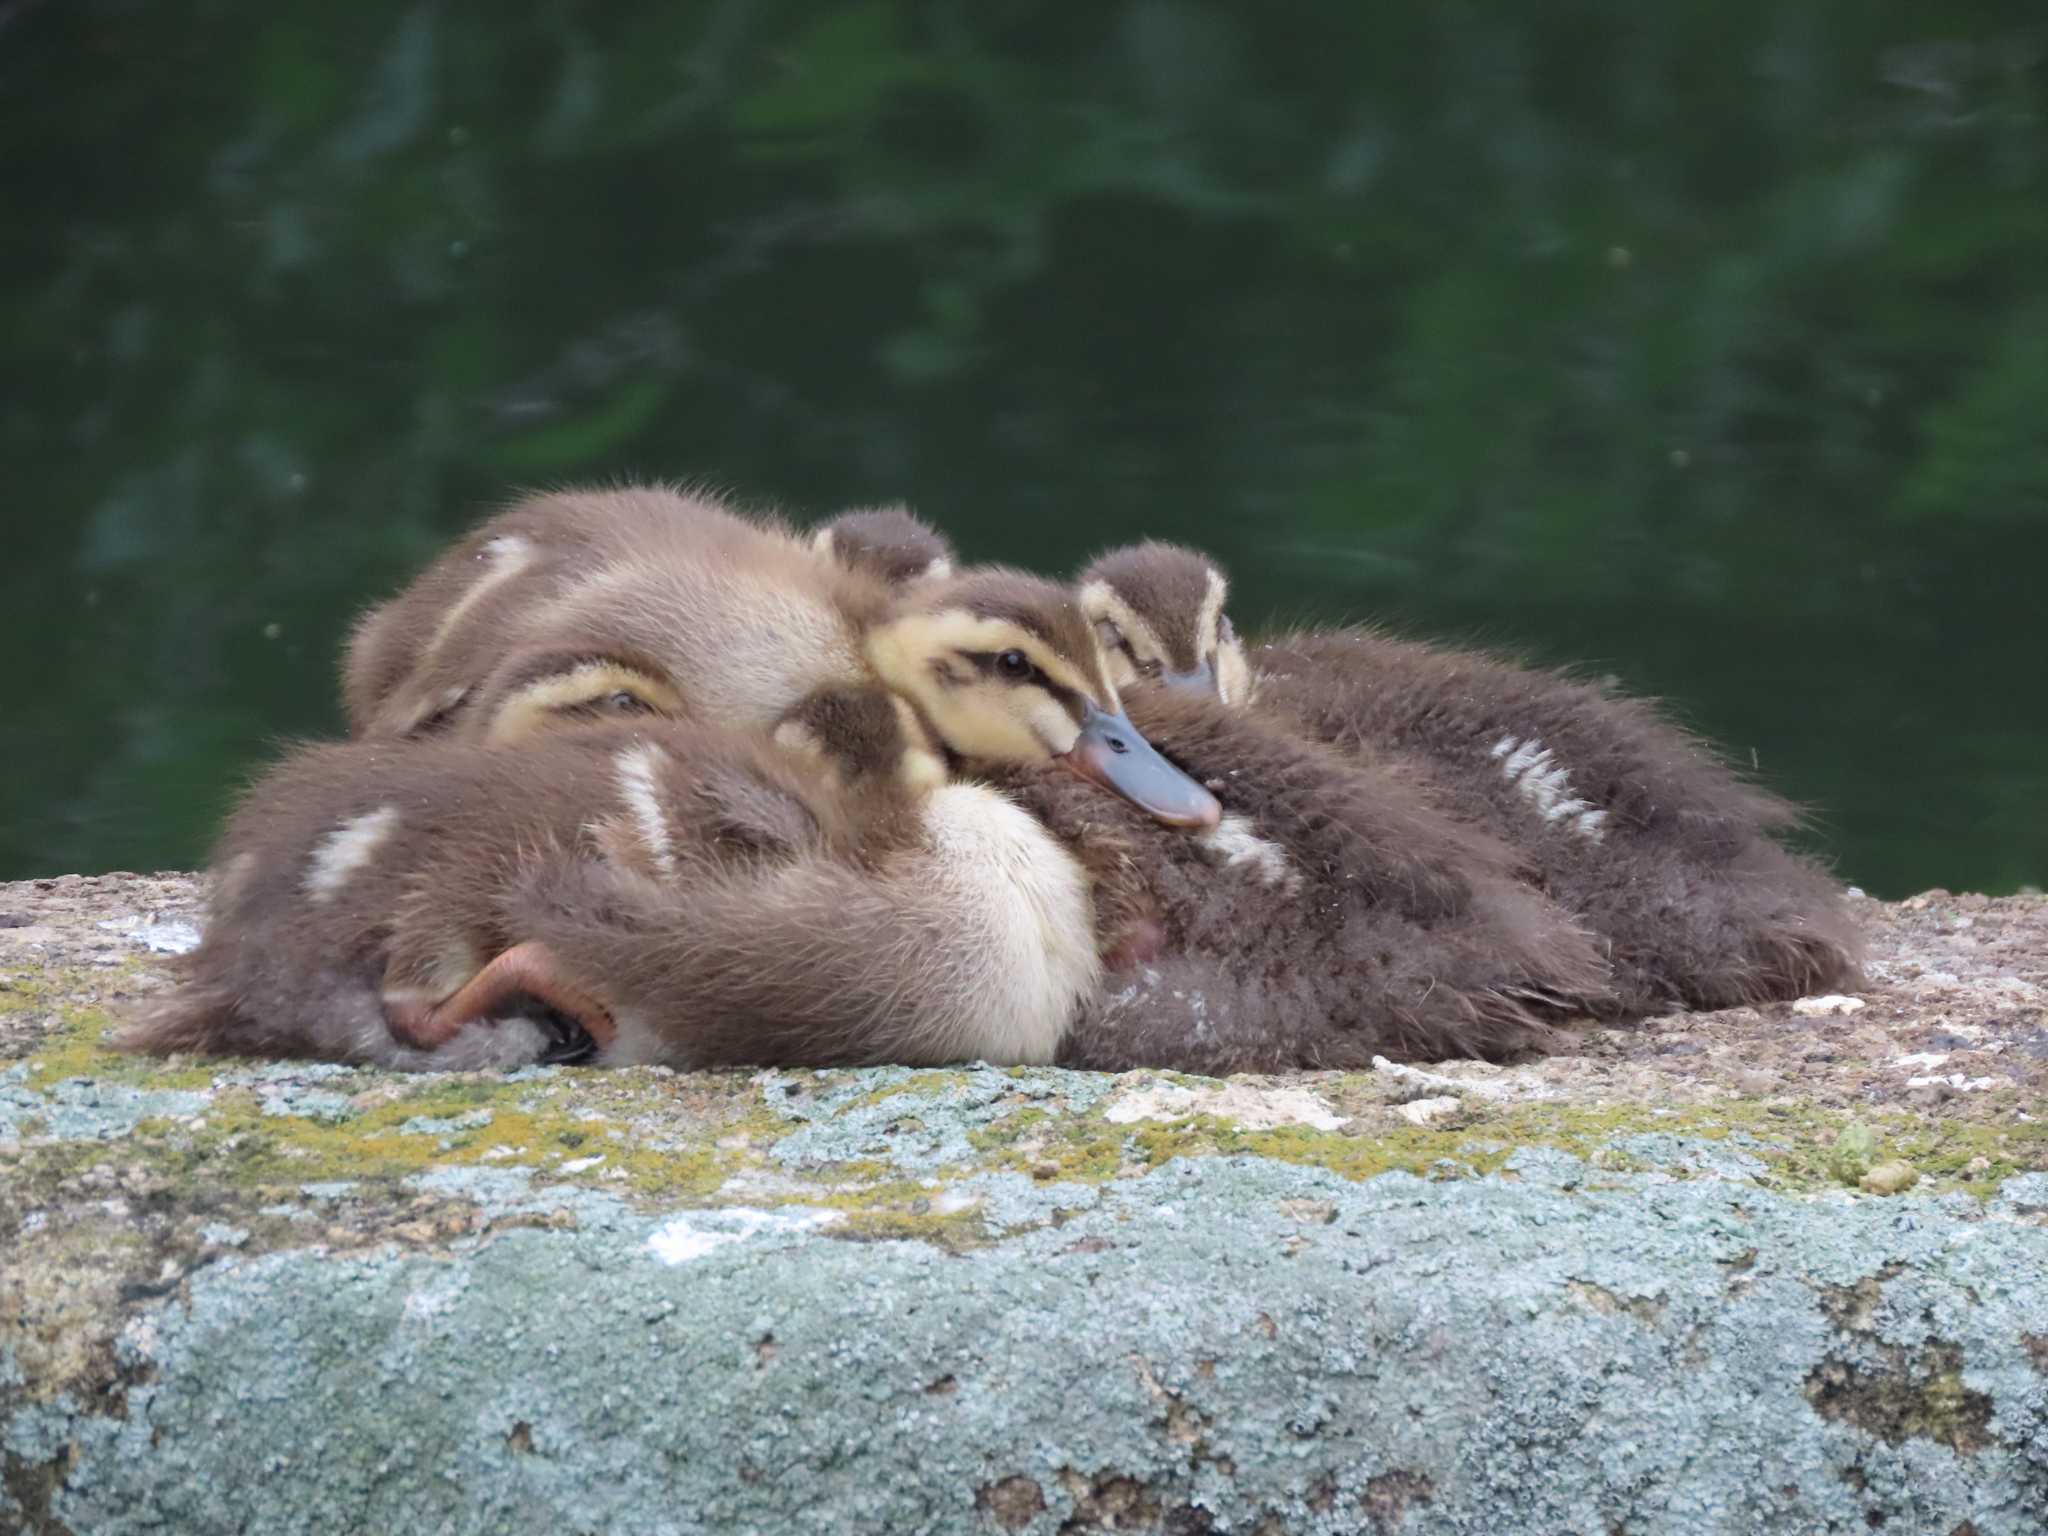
(1634, 826)
(1158, 613)
(413, 664)
(889, 542)
(674, 892)
(1334, 915)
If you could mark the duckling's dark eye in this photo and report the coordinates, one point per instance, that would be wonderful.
(1014, 665)
(1150, 668)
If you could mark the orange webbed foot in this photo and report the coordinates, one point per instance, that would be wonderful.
(526, 970)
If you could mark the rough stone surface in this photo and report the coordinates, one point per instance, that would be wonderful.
(1647, 1286)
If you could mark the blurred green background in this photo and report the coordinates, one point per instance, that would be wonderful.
(1706, 343)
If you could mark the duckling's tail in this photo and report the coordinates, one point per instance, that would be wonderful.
(1769, 927)
(198, 1018)
(1195, 1013)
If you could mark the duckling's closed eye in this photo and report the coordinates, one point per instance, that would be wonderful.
(1109, 634)
(622, 701)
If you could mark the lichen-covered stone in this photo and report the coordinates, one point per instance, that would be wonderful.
(1633, 1288)
(1889, 1178)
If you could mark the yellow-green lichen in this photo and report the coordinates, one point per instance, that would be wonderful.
(899, 1209)
(1796, 1146)
(79, 1027)
(531, 1126)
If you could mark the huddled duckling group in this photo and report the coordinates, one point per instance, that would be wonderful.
(637, 778)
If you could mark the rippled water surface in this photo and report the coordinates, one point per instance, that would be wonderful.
(1706, 343)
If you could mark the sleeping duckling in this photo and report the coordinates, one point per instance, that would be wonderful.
(1158, 614)
(675, 893)
(1335, 914)
(413, 662)
(1635, 827)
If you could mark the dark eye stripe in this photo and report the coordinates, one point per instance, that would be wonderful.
(991, 662)
(1071, 700)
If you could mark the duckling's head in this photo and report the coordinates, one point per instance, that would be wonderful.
(888, 542)
(549, 687)
(1003, 667)
(865, 736)
(1158, 612)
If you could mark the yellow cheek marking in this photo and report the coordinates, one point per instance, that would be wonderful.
(1054, 727)
(920, 772)
(1099, 600)
(1122, 670)
(527, 710)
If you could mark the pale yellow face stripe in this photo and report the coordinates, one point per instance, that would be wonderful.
(897, 649)
(525, 711)
(1210, 616)
(921, 657)
(1100, 601)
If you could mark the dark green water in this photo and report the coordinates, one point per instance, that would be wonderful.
(1707, 342)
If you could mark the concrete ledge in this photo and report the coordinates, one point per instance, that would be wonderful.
(1656, 1286)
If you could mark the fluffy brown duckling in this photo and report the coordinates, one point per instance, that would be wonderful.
(1635, 827)
(673, 605)
(1158, 611)
(1335, 915)
(889, 542)
(413, 662)
(680, 894)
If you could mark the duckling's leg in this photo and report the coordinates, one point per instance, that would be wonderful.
(525, 970)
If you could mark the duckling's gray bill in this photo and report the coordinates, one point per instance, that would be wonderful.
(1111, 752)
